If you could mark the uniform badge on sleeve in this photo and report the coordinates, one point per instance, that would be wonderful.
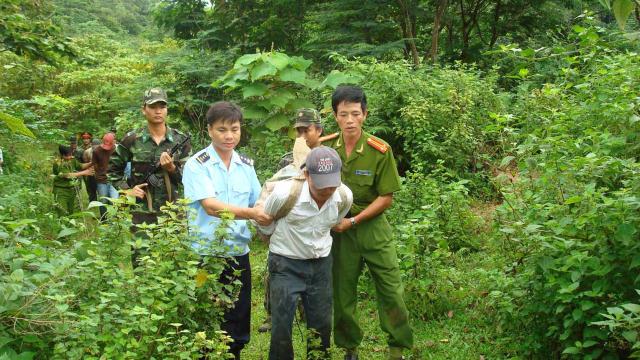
(203, 158)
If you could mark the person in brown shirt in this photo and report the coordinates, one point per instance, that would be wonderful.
(100, 161)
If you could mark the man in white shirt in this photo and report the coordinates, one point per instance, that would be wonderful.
(300, 251)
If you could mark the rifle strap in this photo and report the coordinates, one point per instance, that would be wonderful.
(167, 183)
(149, 199)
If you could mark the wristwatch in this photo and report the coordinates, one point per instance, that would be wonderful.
(353, 221)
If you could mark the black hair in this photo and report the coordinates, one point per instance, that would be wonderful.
(64, 150)
(350, 94)
(225, 111)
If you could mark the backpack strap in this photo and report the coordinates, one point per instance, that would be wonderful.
(294, 194)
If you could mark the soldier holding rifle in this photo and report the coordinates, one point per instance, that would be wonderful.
(156, 172)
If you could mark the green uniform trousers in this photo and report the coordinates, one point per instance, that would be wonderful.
(66, 199)
(368, 243)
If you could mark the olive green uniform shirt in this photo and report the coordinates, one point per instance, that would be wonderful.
(62, 167)
(370, 170)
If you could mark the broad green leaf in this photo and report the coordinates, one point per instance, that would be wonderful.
(622, 9)
(281, 98)
(577, 314)
(279, 60)
(573, 200)
(255, 89)
(255, 112)
(634, 308)
(94, 204)
(261, 70)
(4, 341)
(615, 311)
(66, 232)
(17, 275)
(625, 232)
(571, 350)
(506, 161)
(589, 343)
(16, 125)
(26, 355)
(312, 83)
(277, 122)
(245, 60)
(336, 78)
(293, 75)
(298, 103)
(631, 336)
(300, 63)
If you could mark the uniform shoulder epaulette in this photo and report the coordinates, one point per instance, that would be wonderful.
(203, 158)
(245, 159)
(330, 137)
(377, 144)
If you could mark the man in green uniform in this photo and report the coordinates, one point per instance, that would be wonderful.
(66, 170)
(364, 236)
(144, 148)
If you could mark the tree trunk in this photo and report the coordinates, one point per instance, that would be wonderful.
(435, 33)
(494, 26)
(410, 43)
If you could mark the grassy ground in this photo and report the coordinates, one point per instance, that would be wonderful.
(457, 335)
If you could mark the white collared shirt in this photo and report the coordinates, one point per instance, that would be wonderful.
(304, 233)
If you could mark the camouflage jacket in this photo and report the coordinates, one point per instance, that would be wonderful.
(139, 148)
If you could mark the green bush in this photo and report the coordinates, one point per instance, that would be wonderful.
(435, 113)
(433, 219)
(81, 300)
(578, 245)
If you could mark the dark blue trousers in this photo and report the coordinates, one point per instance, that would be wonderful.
(237, 321)
(311, 281)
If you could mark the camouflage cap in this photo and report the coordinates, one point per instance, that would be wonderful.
(306, 117)
(154, 95)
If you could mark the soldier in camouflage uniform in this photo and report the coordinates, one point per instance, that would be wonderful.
(144, 148)
(66, 170)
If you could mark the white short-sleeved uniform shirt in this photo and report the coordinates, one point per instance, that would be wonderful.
(205, 176)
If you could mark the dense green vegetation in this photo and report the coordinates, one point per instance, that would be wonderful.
(516, 125)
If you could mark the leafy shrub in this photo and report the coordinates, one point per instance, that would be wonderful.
(576, 241)
(433, 113)
(432, 217)
(82, 300)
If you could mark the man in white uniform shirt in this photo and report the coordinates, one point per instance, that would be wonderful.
(300, 251)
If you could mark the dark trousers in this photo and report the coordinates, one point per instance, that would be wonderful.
(92, 187)
(311, 281)
(237, 320)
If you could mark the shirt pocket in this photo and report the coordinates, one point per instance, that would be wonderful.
(361, 186)
(240, 192)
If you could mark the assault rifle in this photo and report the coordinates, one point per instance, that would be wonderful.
(153, 179)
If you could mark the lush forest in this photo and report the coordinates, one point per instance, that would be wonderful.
(515, 125)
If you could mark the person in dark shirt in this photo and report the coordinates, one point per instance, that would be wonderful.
(100, 160)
